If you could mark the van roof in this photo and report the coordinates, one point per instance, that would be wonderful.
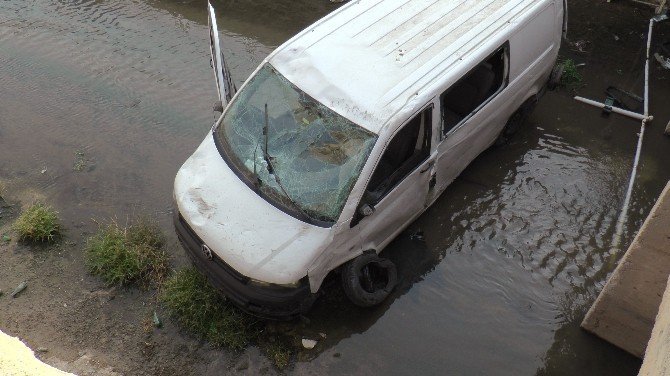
(369, 59)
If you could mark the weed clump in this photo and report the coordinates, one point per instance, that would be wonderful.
(571, 76)
(39, 223)
(278, 352)
(79, 162)
(123, 255)
(201, 310)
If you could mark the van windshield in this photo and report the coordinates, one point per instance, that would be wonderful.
(297, 153)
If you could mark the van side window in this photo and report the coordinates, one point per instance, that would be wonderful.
(477, 87)
(408, 148)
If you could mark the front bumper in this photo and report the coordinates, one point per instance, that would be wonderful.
(271, 301)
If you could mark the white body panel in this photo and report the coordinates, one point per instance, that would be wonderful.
(248, 233)
(377, 63)
(371, 58)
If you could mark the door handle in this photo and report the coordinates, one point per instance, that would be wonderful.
(430, 164)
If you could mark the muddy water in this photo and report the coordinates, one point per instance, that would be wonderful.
(101, 101)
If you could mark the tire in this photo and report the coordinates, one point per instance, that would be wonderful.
(555, 77)
(368, 279)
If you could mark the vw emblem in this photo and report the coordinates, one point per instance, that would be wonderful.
(207, 251)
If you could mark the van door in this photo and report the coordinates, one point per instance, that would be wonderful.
(397, 190)
(473, 115)
(224, 84)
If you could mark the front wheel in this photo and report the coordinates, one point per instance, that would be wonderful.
(368, 279)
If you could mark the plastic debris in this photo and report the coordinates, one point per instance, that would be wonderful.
(22, 286)
(6, 238)
(157, 321)
(665, 63)
(308, 343)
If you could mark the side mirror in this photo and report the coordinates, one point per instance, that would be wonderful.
(366, 210)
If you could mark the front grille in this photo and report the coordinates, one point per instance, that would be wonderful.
(215, 258)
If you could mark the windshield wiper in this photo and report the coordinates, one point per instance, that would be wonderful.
(258, 181)
(271, 170)
(266, 154)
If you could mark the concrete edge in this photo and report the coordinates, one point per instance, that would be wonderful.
(657, 356)
(17, 359)
(591, 322)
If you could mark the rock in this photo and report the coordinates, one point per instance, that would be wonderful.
(22, 286)
(157, 321)
(308, 343)
(242, 364)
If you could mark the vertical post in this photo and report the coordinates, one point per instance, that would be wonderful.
(621, 221)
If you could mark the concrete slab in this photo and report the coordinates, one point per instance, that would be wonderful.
(625, 311)
(657, 357)
(16, 359)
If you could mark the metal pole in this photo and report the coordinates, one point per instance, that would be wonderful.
(617, 110)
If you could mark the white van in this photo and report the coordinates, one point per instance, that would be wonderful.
(346, 133)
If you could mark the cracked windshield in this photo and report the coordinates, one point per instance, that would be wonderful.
(298, 152)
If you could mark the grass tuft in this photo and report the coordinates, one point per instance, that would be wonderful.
(201, 310)
(123, 255)
(278, 352)
(39, 223)
(571, 76)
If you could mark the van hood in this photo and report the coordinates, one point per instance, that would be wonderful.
(243, 229)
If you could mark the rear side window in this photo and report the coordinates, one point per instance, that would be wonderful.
(478, 86)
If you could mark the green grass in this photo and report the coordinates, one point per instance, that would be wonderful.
(39, 223)
(278, 352)
(571, 76)
(201, 310)
(80, 161)
(124, 255)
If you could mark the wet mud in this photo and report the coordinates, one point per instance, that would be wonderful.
(101, 102)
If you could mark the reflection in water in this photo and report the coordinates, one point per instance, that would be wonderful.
(514, 250)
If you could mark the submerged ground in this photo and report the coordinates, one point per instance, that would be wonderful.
(101, 102)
